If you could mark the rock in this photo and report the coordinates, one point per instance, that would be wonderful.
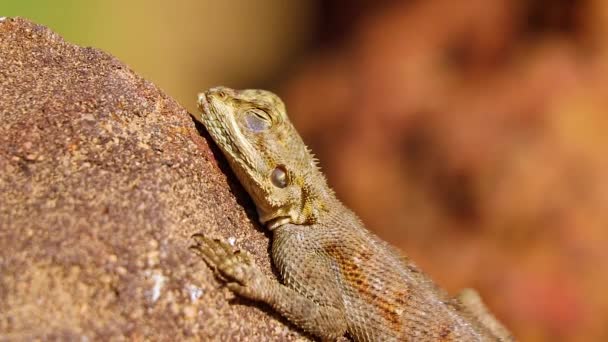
(103, 179)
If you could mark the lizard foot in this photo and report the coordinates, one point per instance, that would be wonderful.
(243, 277)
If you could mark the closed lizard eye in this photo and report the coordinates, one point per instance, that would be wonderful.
(257, 120)
(279, 176)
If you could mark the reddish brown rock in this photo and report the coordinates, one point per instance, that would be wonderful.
(103, 178)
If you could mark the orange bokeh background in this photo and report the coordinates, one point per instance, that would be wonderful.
(471, 134)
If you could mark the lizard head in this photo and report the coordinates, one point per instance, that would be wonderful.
(266, 153)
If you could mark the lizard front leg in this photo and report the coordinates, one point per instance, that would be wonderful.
(245, 278)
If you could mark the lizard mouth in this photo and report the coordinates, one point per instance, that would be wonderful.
(203, 103)
(220, 127)
(220, 120)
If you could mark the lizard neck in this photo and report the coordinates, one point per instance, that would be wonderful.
(318, 207)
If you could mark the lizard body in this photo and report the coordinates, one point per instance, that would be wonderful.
(338, 278)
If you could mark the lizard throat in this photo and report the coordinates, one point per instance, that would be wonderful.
(277, 222)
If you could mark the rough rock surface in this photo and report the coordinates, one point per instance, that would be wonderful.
(103, 178)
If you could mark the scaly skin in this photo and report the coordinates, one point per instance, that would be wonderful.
(338, 278)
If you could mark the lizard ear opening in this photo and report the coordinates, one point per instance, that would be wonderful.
(279, 176)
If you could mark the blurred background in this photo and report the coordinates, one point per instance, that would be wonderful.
(471, 134)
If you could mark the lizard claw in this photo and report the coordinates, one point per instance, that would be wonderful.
(236, 266)
(208, 250)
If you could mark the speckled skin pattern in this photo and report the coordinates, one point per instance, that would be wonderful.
(338, 278)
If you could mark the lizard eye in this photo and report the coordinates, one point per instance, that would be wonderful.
(257, 120)
(279, 177)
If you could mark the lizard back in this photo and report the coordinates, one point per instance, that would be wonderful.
(384, 296)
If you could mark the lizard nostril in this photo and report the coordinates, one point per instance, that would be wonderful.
(218, 92)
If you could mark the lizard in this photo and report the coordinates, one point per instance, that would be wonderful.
(338, 278)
